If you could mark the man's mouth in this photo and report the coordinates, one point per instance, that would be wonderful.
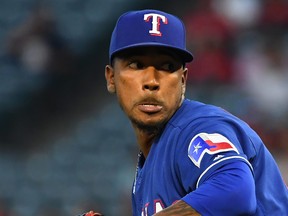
(150, 108)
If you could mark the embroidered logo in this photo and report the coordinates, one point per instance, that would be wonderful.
(208, 143)
(156, 20)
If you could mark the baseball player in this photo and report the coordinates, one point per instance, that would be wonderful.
(195, 158)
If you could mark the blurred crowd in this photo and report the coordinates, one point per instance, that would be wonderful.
(61, 148)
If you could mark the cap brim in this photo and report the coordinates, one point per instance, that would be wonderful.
(185, 55)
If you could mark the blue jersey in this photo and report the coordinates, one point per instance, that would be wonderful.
(187, 162)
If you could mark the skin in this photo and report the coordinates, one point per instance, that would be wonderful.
(150, 84)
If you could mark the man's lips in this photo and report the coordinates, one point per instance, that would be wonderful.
(150, 108)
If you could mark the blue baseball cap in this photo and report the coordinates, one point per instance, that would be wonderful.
(149, 28)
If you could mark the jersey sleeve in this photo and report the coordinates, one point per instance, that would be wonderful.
(209, 147)
(214, 170)
(229, 190)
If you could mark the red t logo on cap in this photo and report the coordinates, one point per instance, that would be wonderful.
(156, 18)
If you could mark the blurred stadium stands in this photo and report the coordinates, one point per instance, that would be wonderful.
(65, 145)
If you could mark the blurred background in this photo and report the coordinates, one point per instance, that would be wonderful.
(65, 145)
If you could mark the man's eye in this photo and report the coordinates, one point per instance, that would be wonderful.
(168, 67)
(136, 65)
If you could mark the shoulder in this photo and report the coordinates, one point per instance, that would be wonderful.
(210, 135)
(194, 118)
(194, 112)
(196, 121)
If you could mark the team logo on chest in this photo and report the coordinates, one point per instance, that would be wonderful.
(208, 143)
(156, 20)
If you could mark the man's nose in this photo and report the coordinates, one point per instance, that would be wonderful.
(150, 79)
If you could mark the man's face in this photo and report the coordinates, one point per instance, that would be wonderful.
(150, 85)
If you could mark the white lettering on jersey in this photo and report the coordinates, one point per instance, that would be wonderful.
(156, 18)
(158, 206)
(145, 210)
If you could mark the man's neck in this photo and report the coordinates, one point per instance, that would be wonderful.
(145, 139)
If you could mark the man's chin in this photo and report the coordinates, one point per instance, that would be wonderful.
(148, 126)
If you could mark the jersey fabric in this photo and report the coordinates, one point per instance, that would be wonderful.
(202, 156)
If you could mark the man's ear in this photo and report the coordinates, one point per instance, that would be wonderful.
(184, 80)
(109, 75)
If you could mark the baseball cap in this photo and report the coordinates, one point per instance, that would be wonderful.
(149, 28)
